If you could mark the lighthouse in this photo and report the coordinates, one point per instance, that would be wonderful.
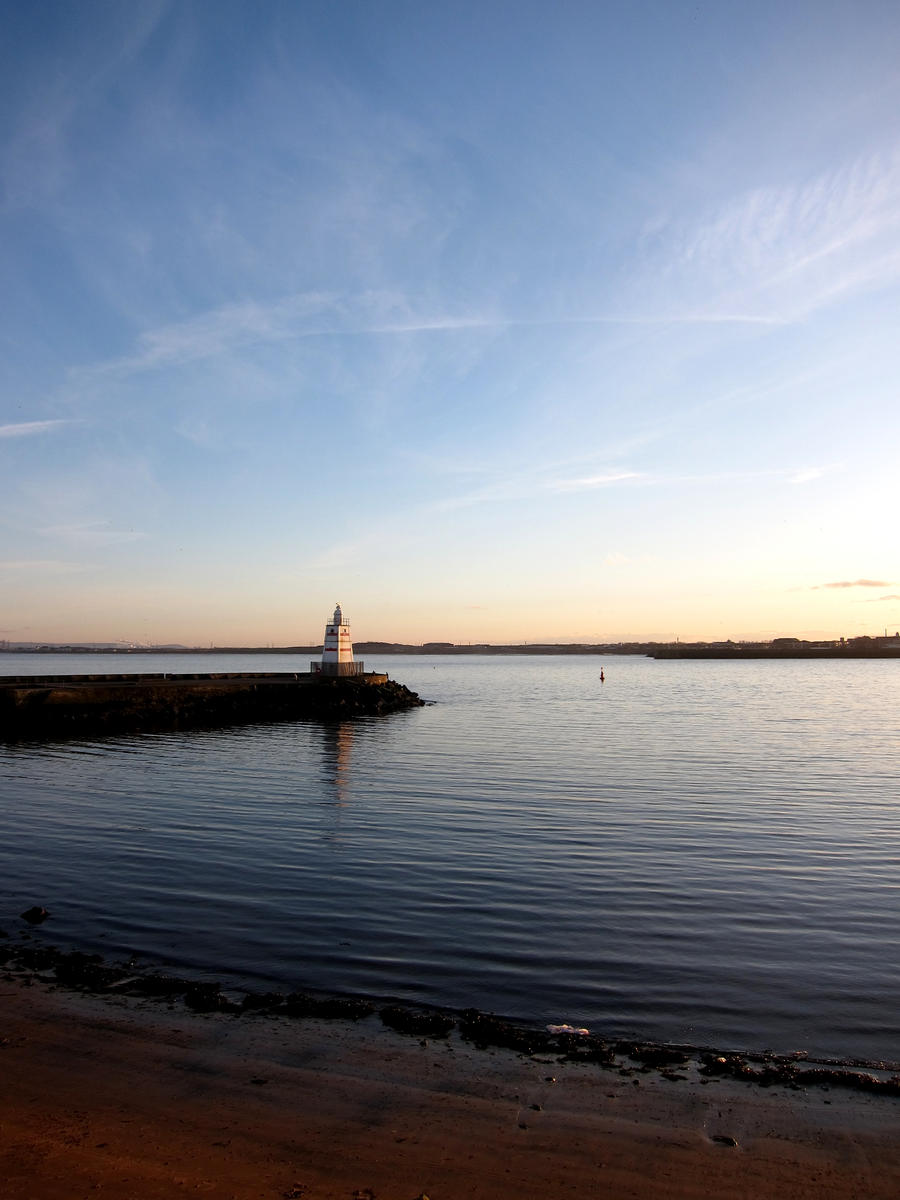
(337, 651)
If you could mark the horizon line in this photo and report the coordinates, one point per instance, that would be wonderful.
(8, 646)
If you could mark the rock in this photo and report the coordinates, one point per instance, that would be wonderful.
(418, 1024)
(653, 1056)
(207, 997)
(587, 1049)
(726, 1064)
(37, 958)
(261, 1001)
(339, 1008)
(157, 984)
(86, 971)
(35, 915)
(484, 1029)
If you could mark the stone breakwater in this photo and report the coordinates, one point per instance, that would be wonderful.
(78, 705)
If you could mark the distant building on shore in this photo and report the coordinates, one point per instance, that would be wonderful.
(337, 651)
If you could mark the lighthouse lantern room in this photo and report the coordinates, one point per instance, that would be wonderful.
(337, 651)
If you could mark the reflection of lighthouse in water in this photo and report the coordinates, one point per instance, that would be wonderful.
(337, 741)
(337, 651)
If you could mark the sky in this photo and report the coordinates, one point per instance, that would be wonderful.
(497, 321)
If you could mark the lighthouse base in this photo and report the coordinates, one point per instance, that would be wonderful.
(345, 668)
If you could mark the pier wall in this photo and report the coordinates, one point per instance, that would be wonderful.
(53, 705)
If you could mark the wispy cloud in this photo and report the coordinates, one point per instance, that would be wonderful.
(49, 565)
(231, 328)
(608, 479)
(544, 478)
(217, 331)
(783, 252)
(853, 583)
(662, 317)
(590, 482)
(29, 428)
(92, 533)
(881, 599)
(808, 475)
(38, 156)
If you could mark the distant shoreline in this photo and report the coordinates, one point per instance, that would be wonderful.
(781, 648)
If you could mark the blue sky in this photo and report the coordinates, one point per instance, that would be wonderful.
(495, 321)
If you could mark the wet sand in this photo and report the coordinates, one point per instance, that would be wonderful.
(123, 1097)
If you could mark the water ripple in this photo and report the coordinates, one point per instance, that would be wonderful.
(693, 850)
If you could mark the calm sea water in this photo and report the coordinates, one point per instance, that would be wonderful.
(692, 851)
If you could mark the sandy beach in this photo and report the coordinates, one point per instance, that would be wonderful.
(123, 1097)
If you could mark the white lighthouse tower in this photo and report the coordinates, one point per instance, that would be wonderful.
(337, 651)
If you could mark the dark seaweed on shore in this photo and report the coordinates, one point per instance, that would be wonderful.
(78, 971)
